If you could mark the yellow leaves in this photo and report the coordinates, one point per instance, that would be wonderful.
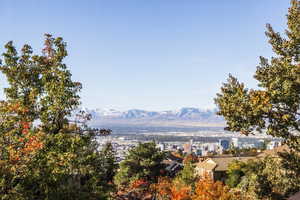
(259, 97)
(286, 117)
(235, 165)
(260, 100)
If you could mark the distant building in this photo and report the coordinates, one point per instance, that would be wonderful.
(212, 147)
(187, 148)
(199, 152)
(224, 144)
(161, 146)
(272, 145)
(235, 142)
(261, 144)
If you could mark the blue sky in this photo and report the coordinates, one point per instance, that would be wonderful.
(149, 54)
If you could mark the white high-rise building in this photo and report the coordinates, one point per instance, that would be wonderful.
(273, 144)
(235, 142)
(161, 146)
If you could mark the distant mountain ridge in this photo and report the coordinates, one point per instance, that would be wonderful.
(183, 115)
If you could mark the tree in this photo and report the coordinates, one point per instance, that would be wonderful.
(266, 178)
(168, 189)
(143, 162)
(275, 106)
(207, 189)
(234, 173)
(187, 175)
(41, 83)
(16, 152)
(109, 166)
(42, 154)
(190, 158)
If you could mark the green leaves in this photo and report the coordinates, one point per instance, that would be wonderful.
(41, 83)
(142, 162)
(42, 155)
(187, 175)
(275, 106)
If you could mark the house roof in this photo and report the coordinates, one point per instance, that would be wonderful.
(295, 196)
(220, 163)
(207, 165)
(274, 152)
(174, 166)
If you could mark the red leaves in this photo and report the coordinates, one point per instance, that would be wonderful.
(25, 146)
(139, 183)
(25, 127)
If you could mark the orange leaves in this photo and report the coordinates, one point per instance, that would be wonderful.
(16, 108)
(24, 145)
(207, 189)
(163, 187)
(33, 144)
(180, 192)
(139, 183)
(173, 190)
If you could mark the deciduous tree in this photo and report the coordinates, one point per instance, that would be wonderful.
(42, 154)
(207, 189)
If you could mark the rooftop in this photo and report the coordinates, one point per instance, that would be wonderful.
(220, 163)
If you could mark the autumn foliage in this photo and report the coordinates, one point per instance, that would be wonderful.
(190, 158)
(28, 144)
(207, 189)
(43, 154)
(22, 142)
(167, 188)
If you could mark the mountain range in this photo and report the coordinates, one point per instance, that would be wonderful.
(187, 116)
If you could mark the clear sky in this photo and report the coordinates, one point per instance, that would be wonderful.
(149, 54)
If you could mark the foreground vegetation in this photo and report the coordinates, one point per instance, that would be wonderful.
(45, 155)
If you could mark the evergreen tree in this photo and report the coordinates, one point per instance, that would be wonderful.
(275, 107)
(143, 162)
(109, 164)
(187, 175)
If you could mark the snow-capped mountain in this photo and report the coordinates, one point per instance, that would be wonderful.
(134, 115)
